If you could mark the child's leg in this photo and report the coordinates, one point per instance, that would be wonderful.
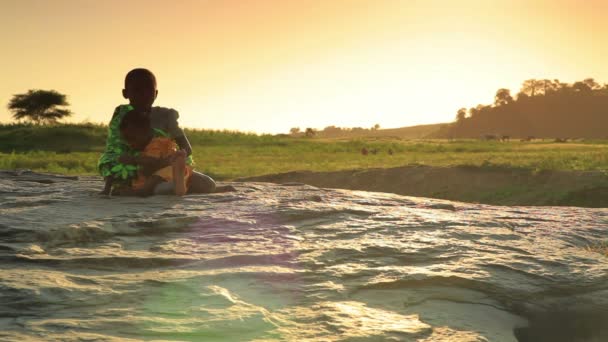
(149, 185)
(107, 187)
(201, 184)
(165, 188)
(179, 174)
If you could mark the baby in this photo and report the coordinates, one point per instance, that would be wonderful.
(157, 150)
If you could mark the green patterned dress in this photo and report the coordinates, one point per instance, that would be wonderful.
(108, 164)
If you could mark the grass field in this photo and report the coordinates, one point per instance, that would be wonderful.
(74, 149)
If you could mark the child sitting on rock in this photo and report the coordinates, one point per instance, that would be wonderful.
(140, 89)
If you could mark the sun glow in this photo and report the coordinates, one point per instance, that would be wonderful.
(269, 65)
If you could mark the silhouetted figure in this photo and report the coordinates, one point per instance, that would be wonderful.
(140, 89)
(364, 151)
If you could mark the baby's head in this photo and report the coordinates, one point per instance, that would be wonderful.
(135, 129)
(140, 89)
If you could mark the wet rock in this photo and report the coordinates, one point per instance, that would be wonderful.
(276, 262)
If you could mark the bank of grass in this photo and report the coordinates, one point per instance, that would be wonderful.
(74, 149)
(62, 138)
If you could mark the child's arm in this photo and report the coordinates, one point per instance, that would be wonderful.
(184, 144)
(147, 165)
(177, 133)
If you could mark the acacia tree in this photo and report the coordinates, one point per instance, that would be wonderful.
(310, 132)
(39, 106)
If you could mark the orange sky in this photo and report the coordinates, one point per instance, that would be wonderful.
(269, 65)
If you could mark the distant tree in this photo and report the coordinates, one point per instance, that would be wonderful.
(551, 86)
(473, 112)
(461, 114)
(310, 132)
(477, 110)
(376, 127)
(503, 97)
(39, 106)
(332, 129)
(533, 87)
(331, 132)
(592, 84)
(522, 96)
(582, 87)
(294, 130)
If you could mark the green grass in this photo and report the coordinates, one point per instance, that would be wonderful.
(57, 138)
(227, 155)
(83, 163)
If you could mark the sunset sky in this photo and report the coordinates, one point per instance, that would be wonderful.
(269, 65)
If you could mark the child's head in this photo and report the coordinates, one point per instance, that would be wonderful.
(140, 89)
(135, 129)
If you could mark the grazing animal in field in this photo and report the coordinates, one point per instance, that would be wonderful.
(364, 151)
(560, 140)
(505, 138)
(488, 137)
(390, 151)
(374, 151)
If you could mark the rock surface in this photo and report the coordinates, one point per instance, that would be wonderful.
(293, 262)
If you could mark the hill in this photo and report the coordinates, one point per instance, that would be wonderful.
(542, 109)
(409, 132)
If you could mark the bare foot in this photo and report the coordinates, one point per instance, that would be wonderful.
(179, 170)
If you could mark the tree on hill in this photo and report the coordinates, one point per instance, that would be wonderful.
(39, 106)
(592, 84)
(310, 132)
(461, 114)
(533, 87)
(294, 130)
(474, 112)
(503, 97)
